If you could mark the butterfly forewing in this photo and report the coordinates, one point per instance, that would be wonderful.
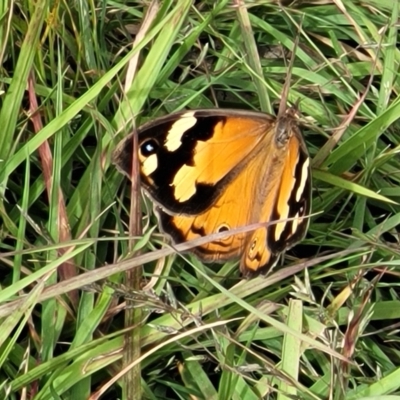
(294, 199)
(188, 158)
(291, 195)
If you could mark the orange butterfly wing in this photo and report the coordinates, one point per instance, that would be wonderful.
(214, 170)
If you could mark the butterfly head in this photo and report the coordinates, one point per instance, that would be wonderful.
(285, 127)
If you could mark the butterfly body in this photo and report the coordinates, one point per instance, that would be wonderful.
(209, 171)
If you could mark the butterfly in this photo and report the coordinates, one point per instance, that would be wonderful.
(213, 170)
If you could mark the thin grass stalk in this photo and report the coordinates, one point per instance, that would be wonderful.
(133, 277)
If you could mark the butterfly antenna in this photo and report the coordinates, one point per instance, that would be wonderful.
(286, 86)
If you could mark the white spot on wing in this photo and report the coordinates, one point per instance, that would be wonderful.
(185, 184)
(185, 122)
(295, 223)
(304, 177)
(150, 164)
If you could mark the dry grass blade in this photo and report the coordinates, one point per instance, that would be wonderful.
(133, 277)
(67, 270)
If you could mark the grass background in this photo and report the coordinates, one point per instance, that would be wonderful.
(70, 91)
